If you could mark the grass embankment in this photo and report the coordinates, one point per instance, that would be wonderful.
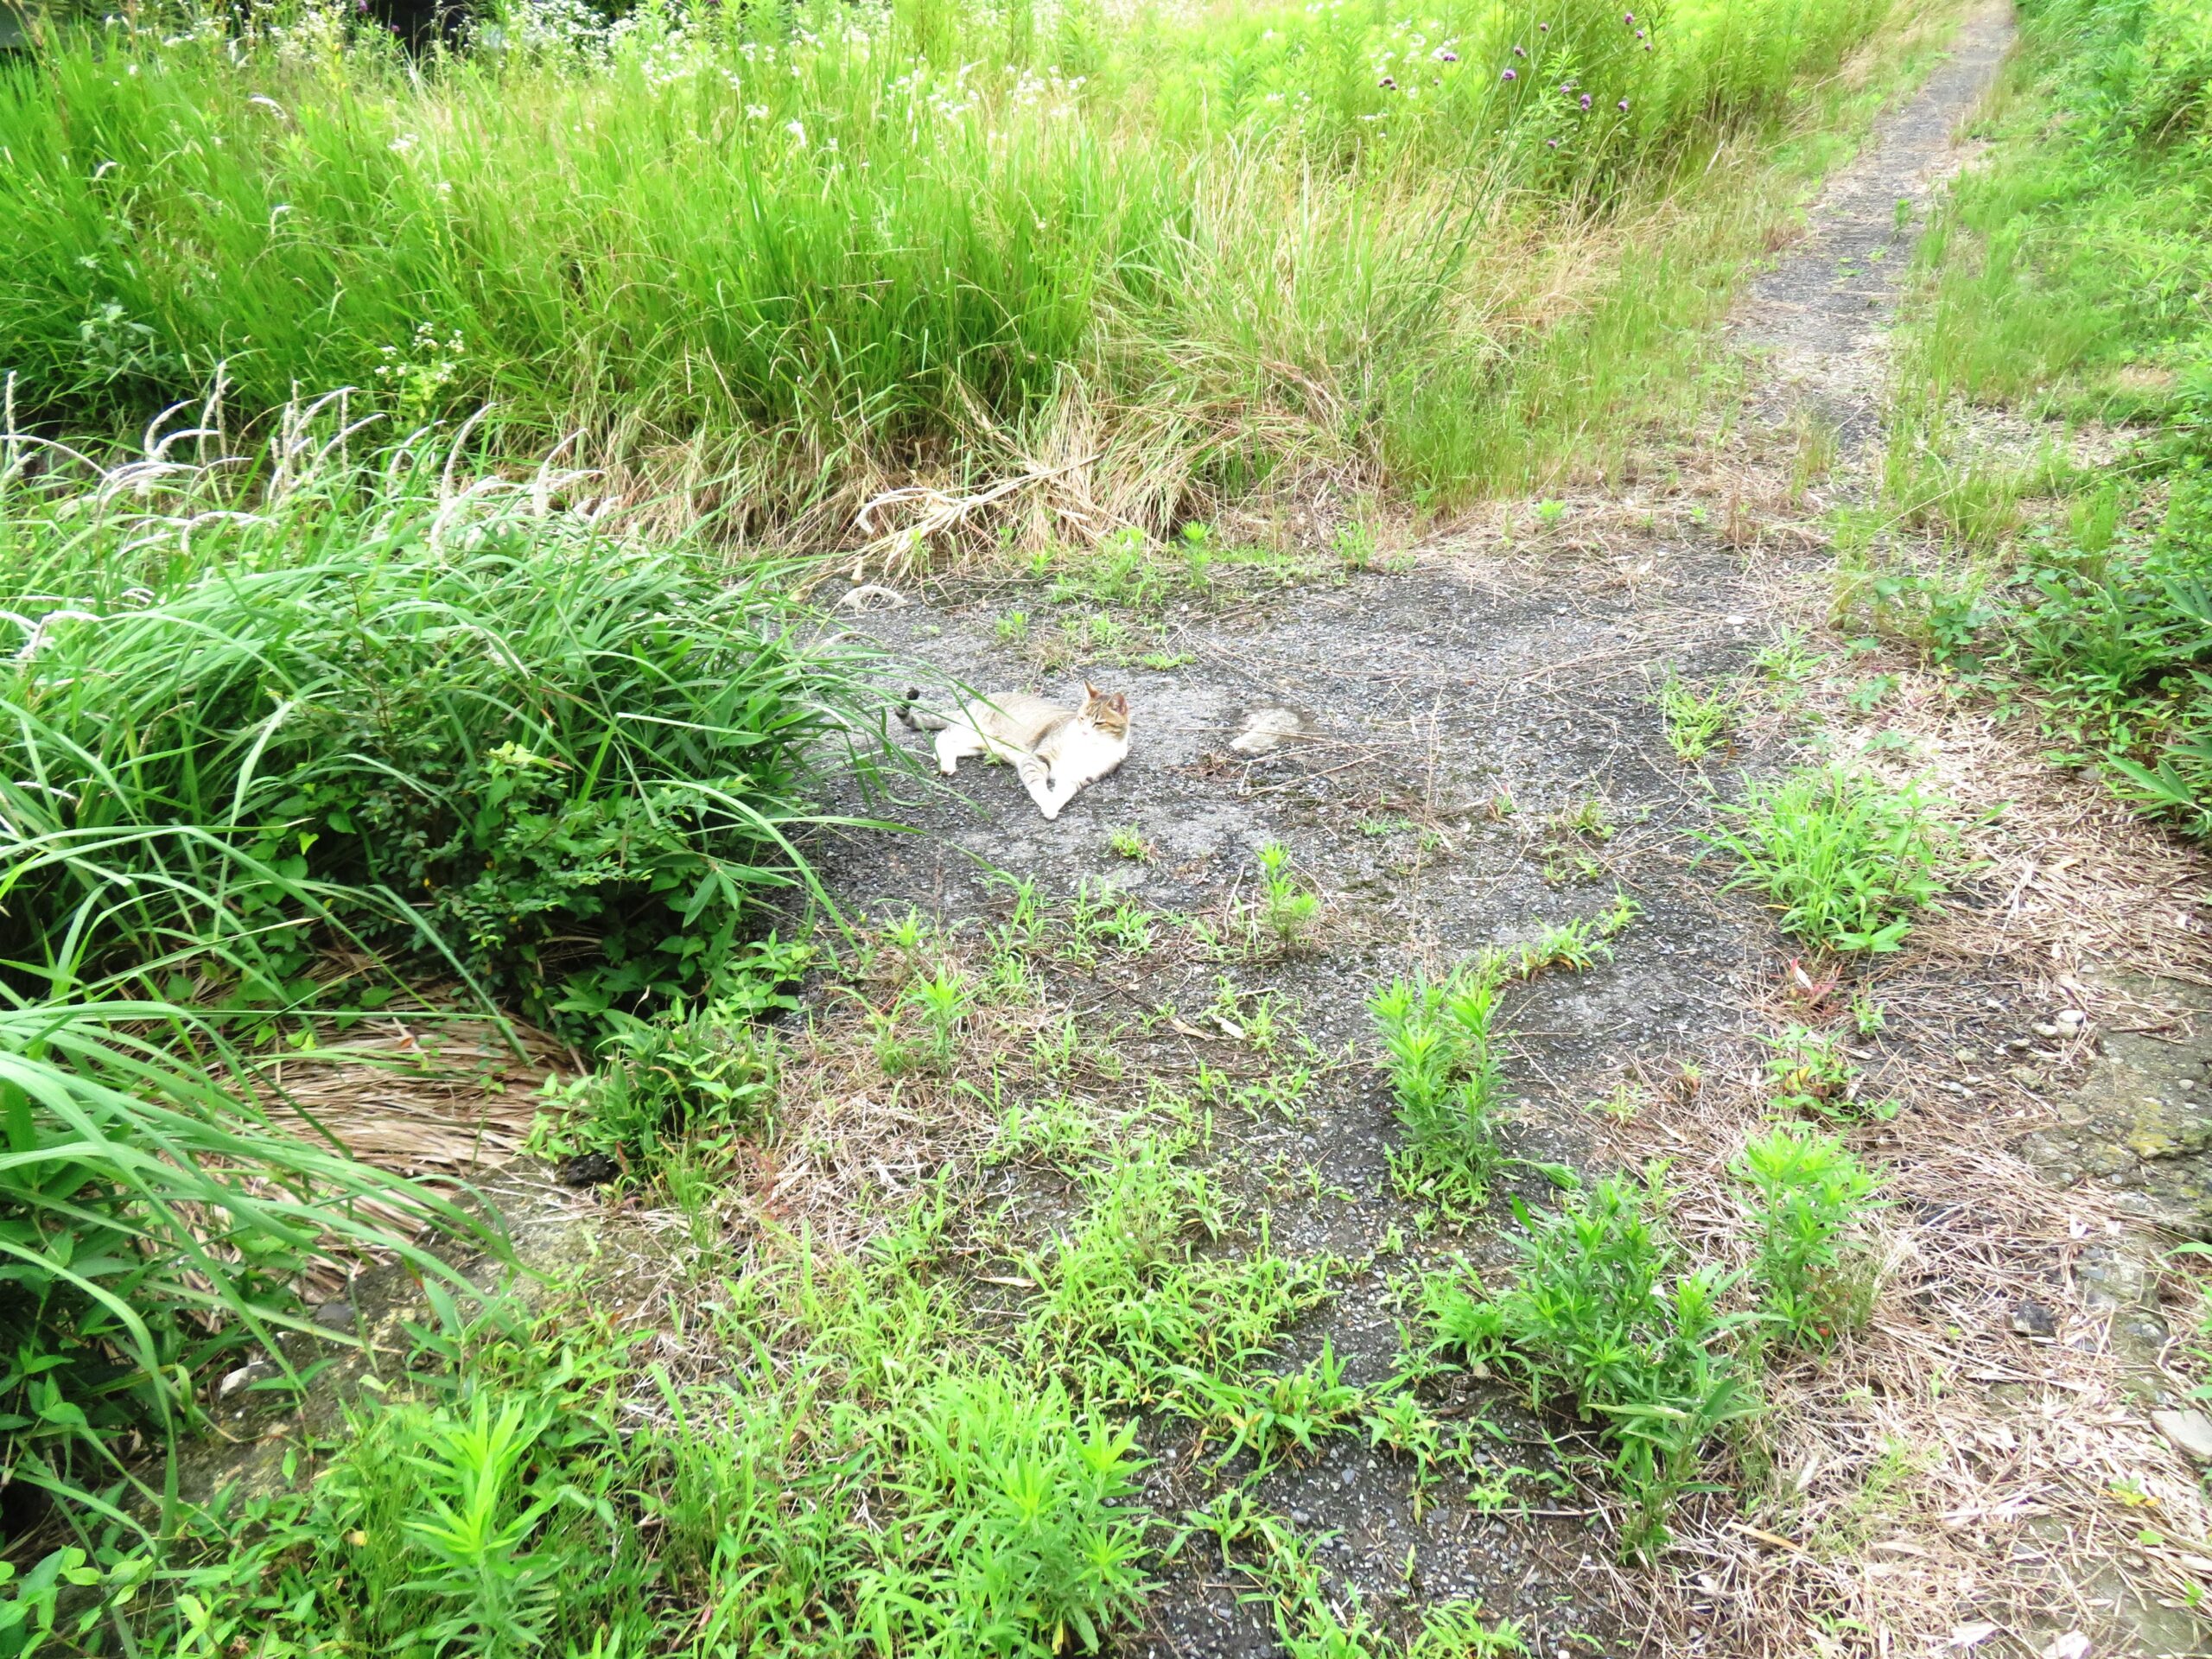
(777, 260)
(2069, 282)
(279, 745)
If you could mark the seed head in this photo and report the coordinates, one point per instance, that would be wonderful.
(1387, 84)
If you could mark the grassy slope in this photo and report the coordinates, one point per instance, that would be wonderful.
(2068, 282)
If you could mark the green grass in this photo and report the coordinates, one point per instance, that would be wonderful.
(806, 252)
(277, 742)
(2066, 279)
(442, 724)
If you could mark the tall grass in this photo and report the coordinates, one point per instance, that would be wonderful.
(152, 1219)
(818, 248)
(258, 713)
(366, 701)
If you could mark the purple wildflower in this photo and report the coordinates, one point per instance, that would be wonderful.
(1628, 17)
(1509, 75)
(1544, 28)
(1647, 46)
(1586, 100)
(1554, 142)
(1566, 89)
(1639, 34)
(1387, 84)
(1624, 107)
(1518, 53)
(1445, 55)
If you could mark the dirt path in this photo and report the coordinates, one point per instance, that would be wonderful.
(1478, 754)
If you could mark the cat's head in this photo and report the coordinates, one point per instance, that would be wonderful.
(1109, 715)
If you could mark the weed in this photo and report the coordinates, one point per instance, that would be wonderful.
(1599, 1315)
(666, 1081)
(1809, 1070)
(1274, 1415)
(942, 1000)
(1811, 1193)
(1440, 1057)
(1013, 628)
(1696, 722)
(1288, 909)
(1457, 1629)
(1846, 860)
(1129, 843)
(1786, 661)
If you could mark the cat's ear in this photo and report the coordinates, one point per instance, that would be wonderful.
(1119, 703)
(1091, 692)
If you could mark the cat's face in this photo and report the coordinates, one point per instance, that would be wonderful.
(1111, 714)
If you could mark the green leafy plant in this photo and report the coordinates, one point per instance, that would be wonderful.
(463, 728)
(1601, 1316)
(1441, 1056)
(682, 1074)
(1457, 1629)
(156, 1207)
(1274, 1415)
(1810, 1195)
(1846, 860)
(1288, 909)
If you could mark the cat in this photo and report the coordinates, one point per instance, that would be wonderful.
(1055, 750)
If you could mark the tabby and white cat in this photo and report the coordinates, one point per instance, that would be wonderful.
(1055, 750)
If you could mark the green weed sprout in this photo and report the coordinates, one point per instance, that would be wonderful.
(1287, 910)
(1696, 722)
(942, 1000)
(1847, 861)
(1811, 1192)
(1810, 1074)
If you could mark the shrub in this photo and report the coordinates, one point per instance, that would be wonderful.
(1599, 1317)
(1811, 1192)
(1846, 860)
(365, 704)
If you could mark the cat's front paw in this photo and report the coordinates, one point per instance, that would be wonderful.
(1050, 812)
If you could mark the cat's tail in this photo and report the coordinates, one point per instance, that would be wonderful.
(915, 718)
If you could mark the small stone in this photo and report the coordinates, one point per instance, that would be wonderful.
(2046, 1029)
(2190, 1431)
(2031, 1318)
(2071, 1020)
(335, 1316)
